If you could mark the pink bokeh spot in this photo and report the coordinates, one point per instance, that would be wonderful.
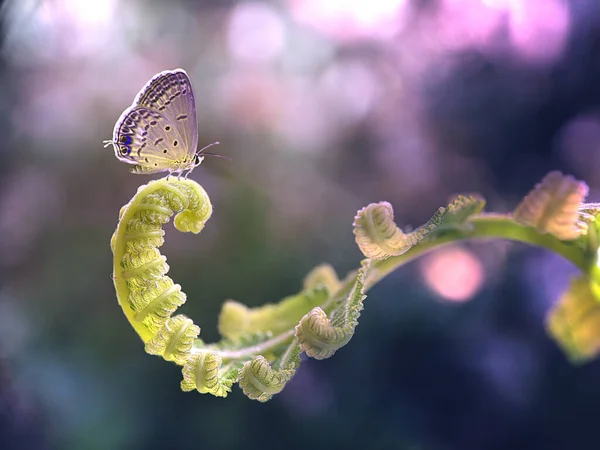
(539, 28)
(350, 19)
(453, 273)
(461, 24)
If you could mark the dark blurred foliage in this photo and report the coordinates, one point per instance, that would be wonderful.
(323, 106)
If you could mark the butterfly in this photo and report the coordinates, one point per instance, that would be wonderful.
(159, 131)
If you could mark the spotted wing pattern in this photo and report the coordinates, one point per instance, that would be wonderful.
(158, 132)
(148, 139)
(171, 94)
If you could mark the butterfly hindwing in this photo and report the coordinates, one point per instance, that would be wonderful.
(170, 93)
(149, 139)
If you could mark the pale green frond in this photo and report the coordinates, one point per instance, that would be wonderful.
(149, 297)
(377, 235)
(321, 336)
(574, 321)
(553, 206)
(260, 380)
(174, 340)
(236, 319)
(261, 346)
(322, 275)
(460, 209)
(203, 372)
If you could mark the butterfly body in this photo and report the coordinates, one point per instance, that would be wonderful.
(159, 131)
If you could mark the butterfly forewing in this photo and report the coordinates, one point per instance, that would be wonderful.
(159, 131)
(149, 139)
(170, 93)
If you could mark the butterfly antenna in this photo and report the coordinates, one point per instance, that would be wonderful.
(203, 153)
(217, 155)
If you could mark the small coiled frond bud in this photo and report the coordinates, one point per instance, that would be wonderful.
(194, 217)
(260, 381)
(553, 206)
(234, 319)
(318, 335)
(377, 235)
(202, 372)
(574, 321)
(322, 275)
(318, 338)
(174, 340)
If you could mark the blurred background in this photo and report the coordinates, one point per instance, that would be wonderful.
(323, 106)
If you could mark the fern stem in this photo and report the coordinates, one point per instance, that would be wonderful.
(483, 226)
(247, 352)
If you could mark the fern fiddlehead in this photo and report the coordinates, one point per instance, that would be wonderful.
(261, 346)
(259, 349)
(149, 297)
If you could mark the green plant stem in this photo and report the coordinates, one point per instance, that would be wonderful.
(262, 348)
(482, 226)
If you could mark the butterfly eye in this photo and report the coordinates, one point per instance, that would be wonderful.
(126, 140)
(125, 150)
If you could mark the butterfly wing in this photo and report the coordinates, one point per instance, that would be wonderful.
(170, 93)
(150, 140)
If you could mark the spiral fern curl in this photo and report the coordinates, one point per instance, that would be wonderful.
(260, 347)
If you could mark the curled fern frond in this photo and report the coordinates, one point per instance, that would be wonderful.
(149, 297)
(376, 233)
(575, 320)
(174, 340)
(323, 275)
(318, 335)
(378, 237)
(553, 206)
(261, 346)
(260, 380)
(202, 372)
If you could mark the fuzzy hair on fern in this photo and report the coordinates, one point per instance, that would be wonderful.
(260, 347)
